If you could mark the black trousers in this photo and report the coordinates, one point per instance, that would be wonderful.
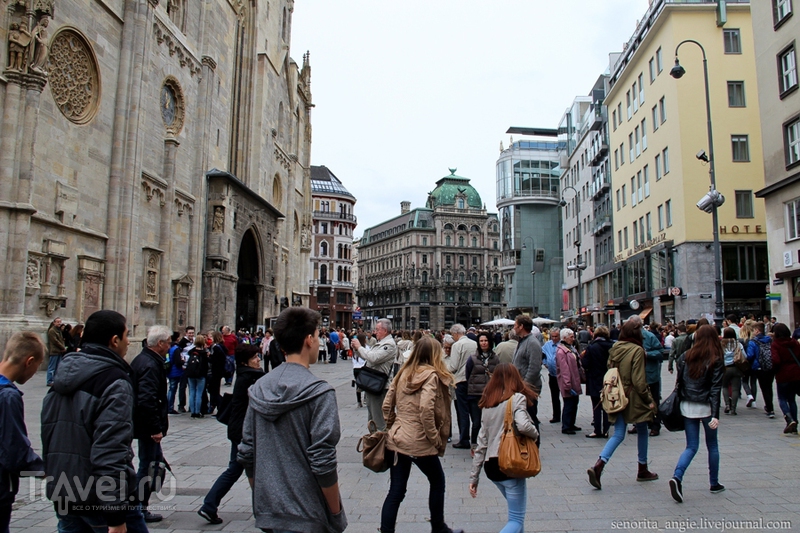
(555, 394)
(765, 380)
(655, 390)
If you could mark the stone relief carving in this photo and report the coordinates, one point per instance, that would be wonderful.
(91, 276)
(183, 206)
(185, 58)
(173, 106)
(74, 76)
(46, 7)
(19, 39)
(151, 274)
(32, 274)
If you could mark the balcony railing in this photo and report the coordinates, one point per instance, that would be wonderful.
(600, 184)
(601, 223)
(330, 283)
(332, 215)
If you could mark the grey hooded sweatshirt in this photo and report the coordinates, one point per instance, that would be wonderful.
(288, 447)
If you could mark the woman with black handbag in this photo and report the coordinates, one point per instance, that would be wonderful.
(700, 373)
(418, 428)
(506, 385)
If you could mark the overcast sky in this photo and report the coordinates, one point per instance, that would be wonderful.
(405, 90)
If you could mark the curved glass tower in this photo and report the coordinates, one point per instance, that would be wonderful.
(528, 173)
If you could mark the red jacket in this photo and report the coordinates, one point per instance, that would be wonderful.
(230, 341)
(786, 368)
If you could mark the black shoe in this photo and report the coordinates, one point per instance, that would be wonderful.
(632, 430)
(152, 517)
(655, 432)
(462, 445)
(555, 420)
(576, 429)
(174, 412)
(181, 409)
(676, 490)
(716, 489)
(594, 436)
(210, 516)
(567, 432)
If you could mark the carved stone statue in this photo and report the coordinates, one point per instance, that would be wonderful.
(218, 224)
(305, 238)
(39, 46)
(19, 38)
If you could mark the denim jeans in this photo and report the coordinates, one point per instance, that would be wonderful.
(569, 413)
(149, 451)
(693, 442)
(462, 412)
(787, 393)
(173, 389)
(515, 493)
(431, 467)
(619, 435)
(52, 366)
(196, 388)
(224, 482)
(97, 523)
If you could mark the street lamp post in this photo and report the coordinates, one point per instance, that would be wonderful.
(677, 72)
(578, 267)
(533, 275)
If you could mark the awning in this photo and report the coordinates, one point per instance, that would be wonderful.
(646, 311)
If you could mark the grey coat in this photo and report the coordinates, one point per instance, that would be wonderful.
(528, 360)
(288, 448)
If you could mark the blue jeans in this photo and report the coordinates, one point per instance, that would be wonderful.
(196, 387)
(693, 442)
(514, 491)
(173, 390)
(616, 439)
(149, 451)
(52, 366)
(787, 398)
(97, 523)
(223, 483)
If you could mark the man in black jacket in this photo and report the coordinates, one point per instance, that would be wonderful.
(150, 419)
(87, 430)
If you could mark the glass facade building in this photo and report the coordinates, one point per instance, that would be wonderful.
(530, 234)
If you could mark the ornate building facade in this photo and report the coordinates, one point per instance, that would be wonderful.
(435, 266)
(155, 161)
(332, 255)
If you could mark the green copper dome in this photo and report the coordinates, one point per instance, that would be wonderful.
(451, 187)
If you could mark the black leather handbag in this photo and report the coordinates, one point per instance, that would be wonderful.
(371, 380)
(670, 412)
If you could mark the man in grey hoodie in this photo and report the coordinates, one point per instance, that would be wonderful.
(290, 434)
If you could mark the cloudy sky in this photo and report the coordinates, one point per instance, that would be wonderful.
(405, 90)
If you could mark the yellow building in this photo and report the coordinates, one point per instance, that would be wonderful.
(657, 130)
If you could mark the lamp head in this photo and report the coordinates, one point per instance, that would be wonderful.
(677, 71)
(562, 203)
(702, 156)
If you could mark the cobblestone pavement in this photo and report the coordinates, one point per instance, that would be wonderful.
(759, 467)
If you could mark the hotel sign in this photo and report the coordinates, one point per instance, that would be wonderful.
(745, 228)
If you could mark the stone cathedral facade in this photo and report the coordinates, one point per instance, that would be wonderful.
(154, 160)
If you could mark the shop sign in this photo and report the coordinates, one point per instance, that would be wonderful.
(743, 229)
(774, 296)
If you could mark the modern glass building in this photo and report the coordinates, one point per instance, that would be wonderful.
(530, 229)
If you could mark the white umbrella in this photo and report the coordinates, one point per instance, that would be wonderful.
(499, 322)
(539, 321)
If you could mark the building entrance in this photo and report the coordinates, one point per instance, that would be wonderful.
(247, 308)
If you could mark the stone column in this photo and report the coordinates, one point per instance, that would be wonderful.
(165, 241)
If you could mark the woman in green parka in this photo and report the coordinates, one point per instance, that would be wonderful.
(628, 356)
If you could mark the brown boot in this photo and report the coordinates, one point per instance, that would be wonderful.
(595, 472)
(645, 475)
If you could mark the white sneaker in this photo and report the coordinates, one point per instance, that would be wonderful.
(751, 402)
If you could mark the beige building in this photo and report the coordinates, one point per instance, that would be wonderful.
(332, 255)
(775, 30)
(435, 266)
(155, 161)
(657, 126)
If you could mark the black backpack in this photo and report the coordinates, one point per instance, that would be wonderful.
(194, 365)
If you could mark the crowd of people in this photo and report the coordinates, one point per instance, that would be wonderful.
(283, 422)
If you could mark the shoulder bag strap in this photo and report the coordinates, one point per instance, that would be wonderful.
(794, 356)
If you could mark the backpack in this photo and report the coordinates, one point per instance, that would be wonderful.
(765, 355)
(613, 395)
(194, 365)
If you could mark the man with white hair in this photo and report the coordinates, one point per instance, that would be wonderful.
(150, 419)
(456, 362)
(378, 357)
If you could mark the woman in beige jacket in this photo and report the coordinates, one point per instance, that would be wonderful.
(506, 385)
(417, 413)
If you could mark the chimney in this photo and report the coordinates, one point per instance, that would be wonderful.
(405, 207)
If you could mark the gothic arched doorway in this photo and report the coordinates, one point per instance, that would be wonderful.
(247, 311)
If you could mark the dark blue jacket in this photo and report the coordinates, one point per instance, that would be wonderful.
(752, 349)
(16, 454)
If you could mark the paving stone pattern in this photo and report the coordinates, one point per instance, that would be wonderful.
(759, 467)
